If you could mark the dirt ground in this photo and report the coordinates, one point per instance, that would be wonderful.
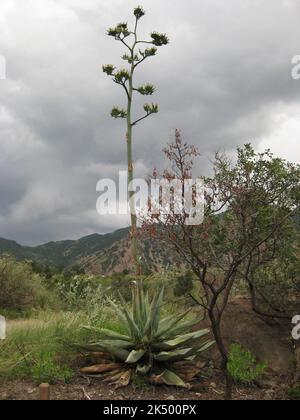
(81, 389)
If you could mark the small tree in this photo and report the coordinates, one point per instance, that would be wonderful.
(134, 56)
(247, 204)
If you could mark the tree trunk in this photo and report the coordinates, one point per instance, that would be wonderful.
(216, 329)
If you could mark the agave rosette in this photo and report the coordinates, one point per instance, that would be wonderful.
(151, 345)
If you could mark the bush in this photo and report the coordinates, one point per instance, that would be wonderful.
(77, 292)
(243, 366)
(294, 393)
(21, 288)
(47, 369)
(184, 285)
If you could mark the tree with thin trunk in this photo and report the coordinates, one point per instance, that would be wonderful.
(247, 204)
(137, 51)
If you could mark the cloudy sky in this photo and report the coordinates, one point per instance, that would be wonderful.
(224, 80)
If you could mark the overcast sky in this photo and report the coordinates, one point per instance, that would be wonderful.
(224, 80)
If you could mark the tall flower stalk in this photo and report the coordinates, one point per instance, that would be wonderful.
(137, 51)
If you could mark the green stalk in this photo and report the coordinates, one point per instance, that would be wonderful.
(130, 160)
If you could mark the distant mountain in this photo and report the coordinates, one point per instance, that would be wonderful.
(97, 254)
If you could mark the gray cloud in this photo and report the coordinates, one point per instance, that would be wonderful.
(225, 79)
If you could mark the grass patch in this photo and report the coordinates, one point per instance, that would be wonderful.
(42, 348)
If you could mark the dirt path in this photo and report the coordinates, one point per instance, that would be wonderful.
(80, 389)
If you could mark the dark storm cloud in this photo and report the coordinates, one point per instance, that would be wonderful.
(225, 79)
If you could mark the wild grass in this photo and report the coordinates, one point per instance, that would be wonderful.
(42, 344)
(44, 348)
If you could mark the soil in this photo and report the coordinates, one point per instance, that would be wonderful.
(81, 389)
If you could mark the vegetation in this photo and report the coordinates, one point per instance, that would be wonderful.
(250, 248)
(37, 348)
(248, 208)
(134, 56)
(21, 289)
(184, 284)
(294, 393)
(151, 345)
(243, 366)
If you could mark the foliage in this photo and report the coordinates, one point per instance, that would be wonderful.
(150, 342)
(39, 349)
(275, 282)
(77, 292)
(184, 284)
(248, 204)
(21, 288)
(47, 369)
(294, 393)
(243, 366)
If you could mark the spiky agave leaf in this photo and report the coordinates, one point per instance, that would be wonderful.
(168, 378)
(117, 343)
(121, 315)
(119, 353)
(135, 356)
(167, 324)
(134, 329)
(180, 340)
(153, 316)
(178, 329)
(108, 334)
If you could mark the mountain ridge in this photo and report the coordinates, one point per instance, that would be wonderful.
(96, 254)
(62, 253)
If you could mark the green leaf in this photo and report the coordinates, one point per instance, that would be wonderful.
(168, 356)
(206, 346)
(196, 350)
(135, 332)
(108, 333)
(153, 317)
(171, 379)
(180, 340)
(168, 323)
(117, 343)
(135, 356)
(120, 354)
(119, 314)
(179, 329)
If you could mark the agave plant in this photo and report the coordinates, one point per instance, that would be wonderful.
(154, 347)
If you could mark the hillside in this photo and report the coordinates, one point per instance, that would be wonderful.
(97, 254)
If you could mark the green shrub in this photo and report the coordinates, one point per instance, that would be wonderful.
(47, 369)
(77, 292)
(243, 366)
(184, 285)
(294, 393)
(21, 288)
